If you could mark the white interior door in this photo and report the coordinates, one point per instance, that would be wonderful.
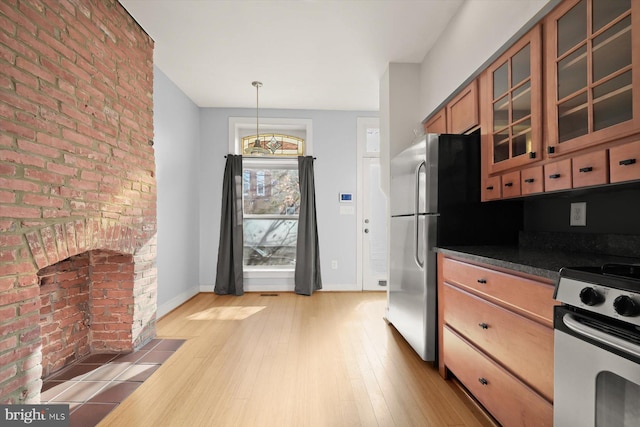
(372, 212)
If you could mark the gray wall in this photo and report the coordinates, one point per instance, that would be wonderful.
(334, 145)
(472, 38)
(177, 150)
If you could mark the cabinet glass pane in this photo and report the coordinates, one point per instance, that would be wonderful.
(573, 118)
(572, 27)
(501, 146)
(612, 49)
(521, 142)
(521, 102)
(605, 11)
(613, 102)
(572, 73)
(501, 80)
(521, 66)
(501, 113)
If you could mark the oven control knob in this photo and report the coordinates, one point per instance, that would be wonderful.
(625, 306)
(590, 296)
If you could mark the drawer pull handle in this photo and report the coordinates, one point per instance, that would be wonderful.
(508, 184)
(627, 162)
(587, 169)
(482, 281)
(483, 325)
(529, 180)
(554, 176)
(490, 187)
(483, 381)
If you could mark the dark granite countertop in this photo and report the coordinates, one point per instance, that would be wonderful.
(538, 262)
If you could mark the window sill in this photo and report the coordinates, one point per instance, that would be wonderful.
(269, 273)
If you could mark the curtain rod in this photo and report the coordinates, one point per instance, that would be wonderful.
(265, 157)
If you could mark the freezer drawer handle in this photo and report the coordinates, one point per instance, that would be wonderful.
(482, 281)
(483, 381)
(483, 325)
(627, 162)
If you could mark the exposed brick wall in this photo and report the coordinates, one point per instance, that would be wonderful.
(76, 166)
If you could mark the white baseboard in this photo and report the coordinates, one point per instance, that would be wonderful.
(255, 287)
(176, 302)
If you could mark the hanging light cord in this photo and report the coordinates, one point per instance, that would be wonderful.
(257, 85)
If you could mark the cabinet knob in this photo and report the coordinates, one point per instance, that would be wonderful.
(483, 325)
(551, 150)
(529, 180)
(490, 187)
(554, 176)
(508, 184)
(627, 162)
(587, 169)
(482, 281)
(483, 381)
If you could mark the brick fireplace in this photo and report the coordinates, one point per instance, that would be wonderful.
(77, 187)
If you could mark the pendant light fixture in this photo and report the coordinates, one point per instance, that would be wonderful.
(257, 148)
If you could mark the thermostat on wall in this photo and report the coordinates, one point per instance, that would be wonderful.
(346, 197)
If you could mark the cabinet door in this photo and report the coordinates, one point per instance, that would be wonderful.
(625, 162)
(590, 169)
(593, 73)
(511, 184)
(512, 105)
(462, 111)
(437, 123)
(491, 188)
(532, 180)
(557, 176)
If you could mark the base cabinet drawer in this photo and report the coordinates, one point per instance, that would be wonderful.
(510, 401)
(521, 345)
(533, 299)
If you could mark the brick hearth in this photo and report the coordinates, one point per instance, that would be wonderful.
(77, 187)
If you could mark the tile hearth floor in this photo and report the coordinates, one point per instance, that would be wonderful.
(95, 385)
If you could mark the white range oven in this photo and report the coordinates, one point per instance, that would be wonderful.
(597, 347)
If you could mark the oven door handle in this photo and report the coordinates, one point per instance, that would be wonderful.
(600, 336)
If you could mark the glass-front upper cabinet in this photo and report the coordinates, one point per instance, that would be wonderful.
(593, 68)
(511, 105)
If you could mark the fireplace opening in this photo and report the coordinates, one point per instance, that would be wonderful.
(86, 306)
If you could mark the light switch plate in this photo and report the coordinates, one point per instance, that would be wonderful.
(578, 214)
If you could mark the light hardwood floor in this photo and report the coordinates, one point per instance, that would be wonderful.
(289, 360)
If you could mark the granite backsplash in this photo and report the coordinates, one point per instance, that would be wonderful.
(601, 244)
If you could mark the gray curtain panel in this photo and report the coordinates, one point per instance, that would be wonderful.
(229, 272)
(307, 275)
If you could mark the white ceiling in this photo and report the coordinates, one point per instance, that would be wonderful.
(309, 54)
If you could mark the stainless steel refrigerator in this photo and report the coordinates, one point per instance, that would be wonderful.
(435, 200)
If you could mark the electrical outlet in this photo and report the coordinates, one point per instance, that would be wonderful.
(578, 214)
(334, 264)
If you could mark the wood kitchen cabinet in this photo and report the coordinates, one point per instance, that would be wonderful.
(592, 71)
(624, 162)
(511, 105)
(459, 116)
(462, 112)
(496, 338)
(437, 123)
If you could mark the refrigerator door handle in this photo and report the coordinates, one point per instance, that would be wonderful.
(416, 208)
(416, 217)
